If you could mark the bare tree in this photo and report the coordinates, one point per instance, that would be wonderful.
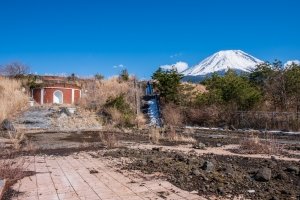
(14, 69)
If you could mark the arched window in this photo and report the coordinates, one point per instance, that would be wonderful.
(58, 97)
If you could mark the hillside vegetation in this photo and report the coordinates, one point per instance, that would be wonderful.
(270, 88)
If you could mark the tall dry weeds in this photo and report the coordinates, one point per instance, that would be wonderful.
(256, 145)
(109, 139)
(98, 92)
(12, 99)
(12, 170)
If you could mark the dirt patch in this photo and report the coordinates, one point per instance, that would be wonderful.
(218, 175)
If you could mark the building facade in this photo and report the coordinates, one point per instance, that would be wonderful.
(56, 92)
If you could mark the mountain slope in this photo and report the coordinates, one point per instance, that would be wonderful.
(221, 61)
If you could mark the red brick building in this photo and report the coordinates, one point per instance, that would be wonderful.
(57, 90)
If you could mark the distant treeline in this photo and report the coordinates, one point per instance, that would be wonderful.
(269, 88)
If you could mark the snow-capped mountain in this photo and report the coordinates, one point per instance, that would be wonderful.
(290, 62)
(221, 61)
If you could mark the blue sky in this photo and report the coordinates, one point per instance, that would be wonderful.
(90, 36)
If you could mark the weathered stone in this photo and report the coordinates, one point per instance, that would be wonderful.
(65, 111)
(157, 149)
(7, 125)
(221, 191)
(293, 169)
(196, 172)
(93, 171)
(281, 176)
(208, 166)
(219, 144)
(263, 174)
(200, 145)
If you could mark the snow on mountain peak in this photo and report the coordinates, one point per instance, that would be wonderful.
(290, 62)
(222, 61)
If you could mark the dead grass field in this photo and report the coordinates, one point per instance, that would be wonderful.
(12, 99)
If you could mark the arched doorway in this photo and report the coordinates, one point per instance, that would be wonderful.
(58, 97)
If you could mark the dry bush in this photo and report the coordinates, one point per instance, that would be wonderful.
(256, 145)
(140, 120)
(12, 170)
(154, 135)
(16, 139)
(12, 99)
(115, 115)
(96, 93)
(172, 115)
(206, 116)
(172, 135)
(99, 93)
(109, 139)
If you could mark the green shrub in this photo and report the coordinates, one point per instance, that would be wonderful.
(120, 111)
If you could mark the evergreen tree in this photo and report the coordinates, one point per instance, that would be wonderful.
(168, 84)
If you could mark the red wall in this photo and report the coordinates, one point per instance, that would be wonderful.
(76, 96)
(37, 95)
(48, 95)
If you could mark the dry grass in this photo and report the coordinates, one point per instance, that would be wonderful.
(16, 140)
(109, 139)
(173, 136)
(154, 135)
(12, 99)
(12, 170)
(96, 93)
(172, 115)
(256, 145)
(140, 120)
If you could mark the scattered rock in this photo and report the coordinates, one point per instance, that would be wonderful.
(157, 149)
(200, 145)
(281, 176)
(263, 174)
(196, 172)
(93, 171)
(273, 158)
(221, 191)
(231, 127)
(293, 169)
(208, 166)
(65, 111)
(229, 169)
(180, 157)
(219, 144)
(7, 125)
(274, 198)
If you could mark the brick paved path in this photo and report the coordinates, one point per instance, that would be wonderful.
(69, 178)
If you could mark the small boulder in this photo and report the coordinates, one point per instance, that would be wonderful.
(93, 171)
(158, 149)
(196, 172)
(65, 111)
(7, 125)
(281, 176)
(219, 144)
(264, 175)
(208, 166)
(293, 169)
(200, 145)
